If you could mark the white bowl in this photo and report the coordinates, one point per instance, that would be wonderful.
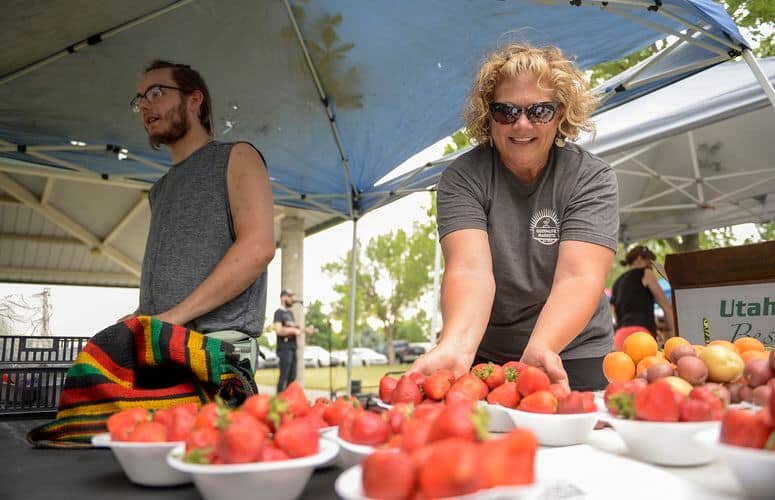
(349, 453)
(281, 480)
(499, 419)
(754, 469)
(349, 486)
(664, 443)
(555, 429)
(144, 463)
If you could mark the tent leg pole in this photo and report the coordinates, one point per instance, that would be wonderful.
(351, 332)
(756, 69)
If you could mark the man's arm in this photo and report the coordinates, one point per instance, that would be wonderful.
(579, 279)
(250, 198)
(285, 331)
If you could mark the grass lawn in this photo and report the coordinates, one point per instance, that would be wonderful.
(318, 378)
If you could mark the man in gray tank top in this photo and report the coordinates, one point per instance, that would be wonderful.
(211, 235)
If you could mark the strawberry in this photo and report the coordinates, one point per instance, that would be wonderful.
(492, 374)
(386, 387)
(242, 439)
(415, 434)
(294, 396)
(148, 432)
(345, 427)
(297, 438)
(258, 406)
(207, 416)
(708, 395)
(334, 414)
(427, 411)
(181, 424)
(620, 397)
(504, 395)
(471, 386)
(694, 410)
(517, 367)
(462, 420)
(448, 373)
(121, 424)
(744, 428)
(271, 453)
(452, 467)
(771, 384)
(370, 429)
(162, 416)
(406, 391)
(577, 402)
(201, 444)
(538, 402)
(418, 378)
(509, 459)
(388, 475)
(532, 379)
(399, 414)
(436, 386)
(559, 391)
(657, 403)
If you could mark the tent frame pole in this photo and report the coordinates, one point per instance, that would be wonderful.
(756, 69)
(351, 332)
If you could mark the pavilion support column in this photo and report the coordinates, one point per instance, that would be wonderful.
(292, 276)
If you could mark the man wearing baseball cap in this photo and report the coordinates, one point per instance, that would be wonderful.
(286, 329)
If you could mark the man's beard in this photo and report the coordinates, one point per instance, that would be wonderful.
(178, 127)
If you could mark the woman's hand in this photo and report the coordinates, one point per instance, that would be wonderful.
(444, 355)
(543, 357)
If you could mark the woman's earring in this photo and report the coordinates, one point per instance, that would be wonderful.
(559, 141)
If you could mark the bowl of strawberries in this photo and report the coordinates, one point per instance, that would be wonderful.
(141, 440)
(746, 443)
(658, 420)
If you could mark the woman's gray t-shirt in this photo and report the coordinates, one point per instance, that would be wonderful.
(574, 198)
(191, 230)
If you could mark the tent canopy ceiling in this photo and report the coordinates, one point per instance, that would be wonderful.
(386, 91)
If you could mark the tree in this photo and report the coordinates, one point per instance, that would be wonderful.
(414, 329)
(315, 317)
(393, 274)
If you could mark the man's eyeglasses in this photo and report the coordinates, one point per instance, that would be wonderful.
(538, 113)
(150, 95)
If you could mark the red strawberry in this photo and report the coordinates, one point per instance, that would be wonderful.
(181, 425)
(162, 416)
(297, 438)
(427, 411)
(415, 434)
(448, 373)
(436, 386)
(504, 395)
(559, 391)
(657, 403)
(121, 424)
(399, 414)
(452, 467)
(294, 396)
(258, 406)
(207, 416)
(271, 453)
(492, 374)
(386, 387)
(539, 402)
(370, 429)
(517, 366)
(532, 379)
(462, 420)
(418, 378)
(148, 432)
(471, 386)
(388, 475)
(620, 397)
(771, 384)
(744, 428)
(242, 440)
(694, 410)
(406, 391)
(577, 402)
(201, 444)
(509, 459)
(345, 427)
(708, 395)
(334, 414)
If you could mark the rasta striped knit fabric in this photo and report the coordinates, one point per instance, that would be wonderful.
(142, 362)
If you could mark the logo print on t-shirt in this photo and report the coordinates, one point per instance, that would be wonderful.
(545, 226)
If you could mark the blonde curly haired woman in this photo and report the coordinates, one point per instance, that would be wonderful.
(528, 224)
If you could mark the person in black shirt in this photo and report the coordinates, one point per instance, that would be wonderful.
(286, 329)
(633, 296)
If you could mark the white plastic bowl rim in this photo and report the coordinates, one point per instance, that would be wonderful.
(358, 449)
(103, 440)
(328, 450)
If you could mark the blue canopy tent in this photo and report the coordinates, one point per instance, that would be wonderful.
(336, 93)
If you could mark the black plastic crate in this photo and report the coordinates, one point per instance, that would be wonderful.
(40, 351)
(30, 391)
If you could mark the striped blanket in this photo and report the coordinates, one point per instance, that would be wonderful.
(141, 362)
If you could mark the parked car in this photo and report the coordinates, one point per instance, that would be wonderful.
(367, 357)
(315, 355)
(405, 352)
(269, 359)
(423, 346)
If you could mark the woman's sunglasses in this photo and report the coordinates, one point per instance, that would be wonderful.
(538, 113)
